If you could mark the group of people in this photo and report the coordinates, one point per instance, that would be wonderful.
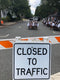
(33, 24)
(52, 23)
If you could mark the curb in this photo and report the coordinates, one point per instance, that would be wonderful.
(55, 76)
(8, 24)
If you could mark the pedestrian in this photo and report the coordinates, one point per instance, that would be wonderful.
(36, 24)
(30, 23)
(58, 26)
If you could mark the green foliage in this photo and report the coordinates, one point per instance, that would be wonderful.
(47, 9)
(9, 15)
(21, 8)
(4, 19)
(54, 3)
(7, 19)
(5, 4)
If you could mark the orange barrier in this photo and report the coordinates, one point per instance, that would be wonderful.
(58, 39)
(8, 43)
(24, 39)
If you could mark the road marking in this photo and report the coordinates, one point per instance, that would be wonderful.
(5, 35)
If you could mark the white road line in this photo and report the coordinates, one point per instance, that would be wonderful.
(5, 35)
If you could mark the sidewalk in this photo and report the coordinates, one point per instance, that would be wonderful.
(7, 24)
(55, 76)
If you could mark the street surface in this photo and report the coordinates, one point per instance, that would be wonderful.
(20, 29)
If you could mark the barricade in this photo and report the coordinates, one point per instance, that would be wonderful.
(8, 43)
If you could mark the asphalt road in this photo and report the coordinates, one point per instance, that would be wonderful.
(20, 29)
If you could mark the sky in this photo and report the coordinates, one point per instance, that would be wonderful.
(34, 4)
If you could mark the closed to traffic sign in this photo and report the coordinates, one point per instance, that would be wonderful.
(31, 60)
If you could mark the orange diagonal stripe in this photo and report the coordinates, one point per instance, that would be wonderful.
(40, 39)
(58, 39)
(6, 44)
(24, 39)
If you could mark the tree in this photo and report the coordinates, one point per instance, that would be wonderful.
(54, 3)
(50, 7)
(4, 4)
(21, 8)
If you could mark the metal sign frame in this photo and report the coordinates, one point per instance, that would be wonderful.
(13, 59)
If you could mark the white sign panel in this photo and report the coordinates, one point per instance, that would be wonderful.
(31, 60)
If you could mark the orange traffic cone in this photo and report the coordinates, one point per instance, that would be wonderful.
(2, 22)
